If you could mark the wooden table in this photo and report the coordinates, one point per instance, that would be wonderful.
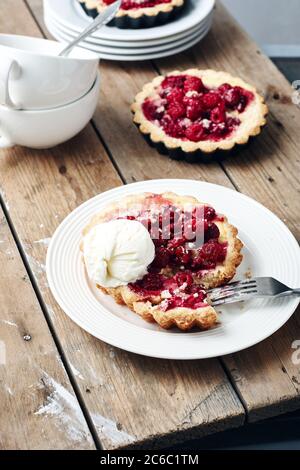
(60, 387)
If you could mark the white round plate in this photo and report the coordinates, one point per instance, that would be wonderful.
(64, 37)
(71, 13)
(242, 325)
(91, 42)
(59, 21)
(130, 47)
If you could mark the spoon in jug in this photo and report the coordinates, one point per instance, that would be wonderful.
(101, 20)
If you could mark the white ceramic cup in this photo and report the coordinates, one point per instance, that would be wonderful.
(32, 76)
(47, 128)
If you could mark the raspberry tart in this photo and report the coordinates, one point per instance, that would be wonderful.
(135, 14)
(196, 113)
(184, 266)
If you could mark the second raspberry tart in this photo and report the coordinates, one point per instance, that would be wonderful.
(196, 113)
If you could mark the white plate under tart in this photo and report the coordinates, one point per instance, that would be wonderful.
(270, 250)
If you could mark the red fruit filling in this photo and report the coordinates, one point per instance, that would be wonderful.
(183, 240)
(177, 291)
(188, 110)
(131, 4)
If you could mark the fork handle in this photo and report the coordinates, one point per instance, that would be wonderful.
(289, 292)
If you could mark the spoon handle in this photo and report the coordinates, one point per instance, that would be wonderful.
(101, 20)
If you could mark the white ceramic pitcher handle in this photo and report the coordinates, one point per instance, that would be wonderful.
(9, 69)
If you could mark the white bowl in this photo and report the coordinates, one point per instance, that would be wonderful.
(32, 76)
(49, 127)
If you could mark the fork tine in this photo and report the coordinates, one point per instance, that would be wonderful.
(228, 294)
(235, 285)
(235, 290)
(233, 298)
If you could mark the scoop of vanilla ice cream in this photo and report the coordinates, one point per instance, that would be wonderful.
(117, 252)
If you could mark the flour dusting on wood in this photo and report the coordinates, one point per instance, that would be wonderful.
(9, 390)
(9, 323)
(109, 429)
(64, 408)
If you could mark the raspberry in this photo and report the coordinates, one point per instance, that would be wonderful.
(213, 252)
(176, 95)
(194, 109)
(232, 123)
(176, 110)
(242, 104)
(232, 97)
(173, 81)
(182, 255)
(172, 128)
(193, 84)
(196, 132)
(245, 98)
(151, 111)
(218, 114)
(219, 130)
(162, 258)
(223, 88)
(211, 100)
(212, 232)
(152, 282)
(176, 242)
(209, 213)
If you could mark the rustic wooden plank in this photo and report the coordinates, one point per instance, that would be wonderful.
(126, 395)
(227, 47)
(268, 170)
(38, 407)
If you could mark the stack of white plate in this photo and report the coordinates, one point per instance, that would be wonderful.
(66, 19)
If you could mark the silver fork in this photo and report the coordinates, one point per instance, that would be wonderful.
(245, 290)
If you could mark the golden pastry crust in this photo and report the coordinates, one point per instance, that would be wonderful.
(149, 304)
(182, 317)
(138, 12)
(185, 319)
(252, 119)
